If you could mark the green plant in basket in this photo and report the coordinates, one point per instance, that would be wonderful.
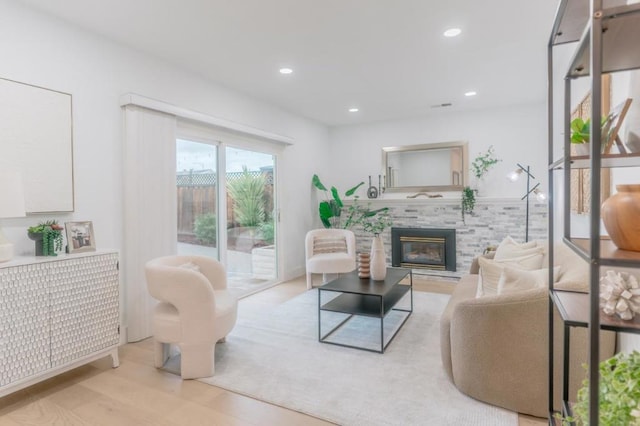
(49, 235)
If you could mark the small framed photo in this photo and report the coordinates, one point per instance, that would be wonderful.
(80, 237)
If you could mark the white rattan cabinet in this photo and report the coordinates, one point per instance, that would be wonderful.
(56, 313)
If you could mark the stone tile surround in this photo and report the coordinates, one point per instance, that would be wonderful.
(491, 221)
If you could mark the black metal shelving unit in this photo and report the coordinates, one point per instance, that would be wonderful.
(606, 35)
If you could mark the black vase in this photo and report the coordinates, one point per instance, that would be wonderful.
(37, 237)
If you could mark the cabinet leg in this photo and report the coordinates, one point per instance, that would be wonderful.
(115, 360)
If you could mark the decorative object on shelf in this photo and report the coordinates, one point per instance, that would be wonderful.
(378, 265)
(11, 205)
(372, 191)
(468, 201)
(364, 260)
(80, 237)
(620, 294)
(424, 194)
(620, 214)
(619, 402)
(330, 209)
(47, 236)
(581, 178)
(541, 196)
(610, 127)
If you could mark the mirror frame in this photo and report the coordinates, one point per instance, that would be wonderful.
(426, 147)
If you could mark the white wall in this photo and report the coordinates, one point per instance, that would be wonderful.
(518, 134)
(44, 51)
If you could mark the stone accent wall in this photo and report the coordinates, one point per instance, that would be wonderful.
(491, 221)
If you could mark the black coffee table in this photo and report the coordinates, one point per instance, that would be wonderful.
(366, 297)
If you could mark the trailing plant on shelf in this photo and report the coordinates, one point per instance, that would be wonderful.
(480, 166)
(47, 236)
(468, 201)
(619, 393)
(330, 209)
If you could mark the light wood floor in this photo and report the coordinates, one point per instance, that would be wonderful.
(136, 393)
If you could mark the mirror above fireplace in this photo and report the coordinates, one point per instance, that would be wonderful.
(429, 167)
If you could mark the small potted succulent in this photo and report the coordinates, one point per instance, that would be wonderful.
(47, 236)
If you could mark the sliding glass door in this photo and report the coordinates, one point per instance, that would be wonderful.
(251, 249)
(230, 216)
(197, 183)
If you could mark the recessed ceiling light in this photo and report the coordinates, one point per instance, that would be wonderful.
(286, 70)
(354, 109)
(452, 32)
(471, 93)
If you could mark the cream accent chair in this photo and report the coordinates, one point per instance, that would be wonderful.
(195, 311)
(329, 251)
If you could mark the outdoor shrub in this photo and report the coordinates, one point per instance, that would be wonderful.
(206, 228)
(267, 229)
(248, 198)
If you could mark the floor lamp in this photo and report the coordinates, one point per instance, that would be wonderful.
(514, 176)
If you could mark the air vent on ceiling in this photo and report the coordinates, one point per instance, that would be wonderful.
(444, 105)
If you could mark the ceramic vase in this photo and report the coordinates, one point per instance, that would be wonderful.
(378, 263)
(620, 214)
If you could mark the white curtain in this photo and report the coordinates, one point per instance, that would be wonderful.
(149, 207)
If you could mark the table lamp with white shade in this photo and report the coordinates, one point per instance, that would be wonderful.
(11, 205)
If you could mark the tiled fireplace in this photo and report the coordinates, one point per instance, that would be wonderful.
(424, 248)
(491, 221)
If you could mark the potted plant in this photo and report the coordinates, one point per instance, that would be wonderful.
(47, 236)
(468, 201)
(619, 399)
(479, 167)
(330, 209)
(581, 134)
(373, 222)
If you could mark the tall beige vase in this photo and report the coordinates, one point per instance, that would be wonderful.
(621, 217)
(378, 264)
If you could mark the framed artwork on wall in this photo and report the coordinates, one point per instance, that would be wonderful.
(36, 138)
(80, 237)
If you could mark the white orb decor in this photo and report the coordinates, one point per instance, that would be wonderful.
(620, 294)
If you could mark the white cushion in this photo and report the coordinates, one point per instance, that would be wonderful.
(491, 269)
(332, 263)
(509, 249)
(514, 280)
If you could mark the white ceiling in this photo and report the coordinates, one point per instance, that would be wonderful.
(387, 57)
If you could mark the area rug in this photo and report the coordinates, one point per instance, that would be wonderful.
(276, 357)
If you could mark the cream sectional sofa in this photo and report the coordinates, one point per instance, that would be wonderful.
(495, 348)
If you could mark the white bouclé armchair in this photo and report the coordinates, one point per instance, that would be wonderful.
(329, 251)
(196, 310)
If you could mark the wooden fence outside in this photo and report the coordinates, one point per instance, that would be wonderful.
(197, 195)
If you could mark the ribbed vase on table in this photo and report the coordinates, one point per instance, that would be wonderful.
(378, 263)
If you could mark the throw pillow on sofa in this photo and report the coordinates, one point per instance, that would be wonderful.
(509, 249)
(514, 280)
(491, 269)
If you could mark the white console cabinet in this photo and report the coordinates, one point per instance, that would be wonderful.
(56, 313)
